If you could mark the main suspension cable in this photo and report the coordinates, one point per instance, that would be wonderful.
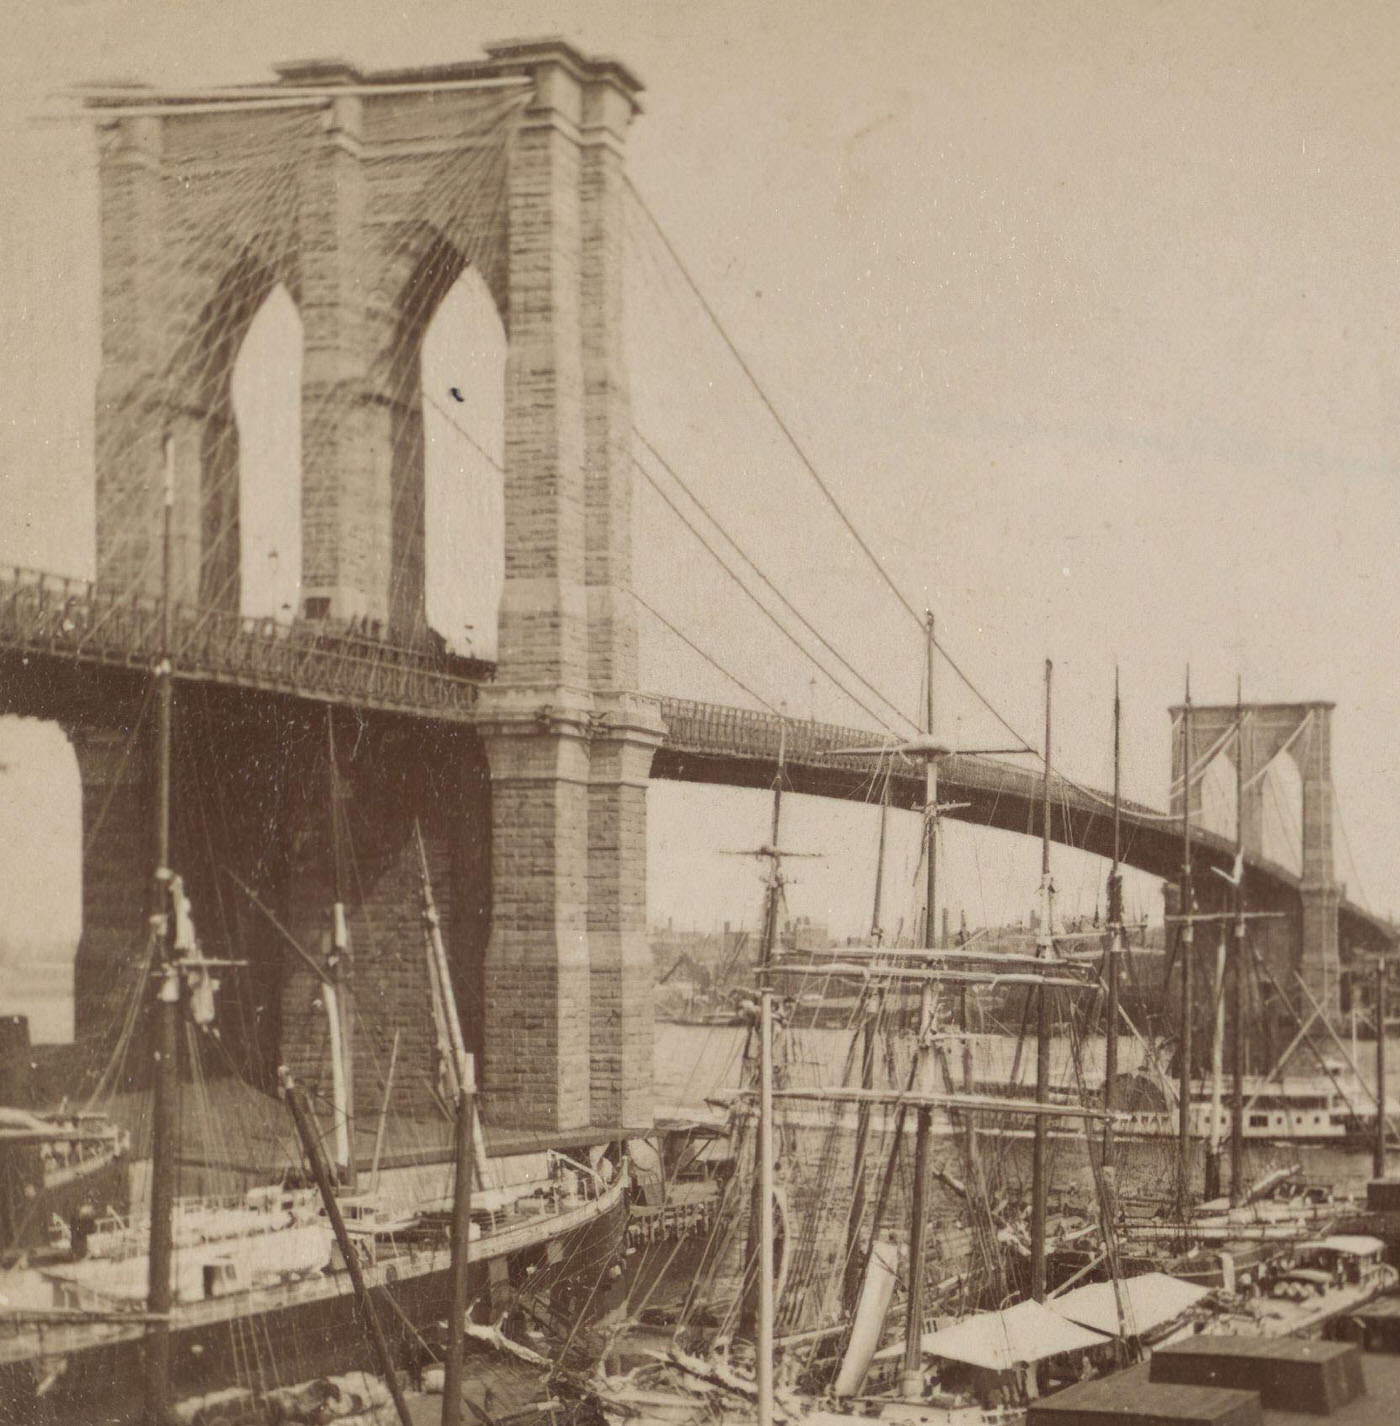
(768, 583)
(812, 471)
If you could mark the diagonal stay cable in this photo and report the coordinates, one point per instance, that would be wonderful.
(812, 470)
(709, 658)
(762, 607)
(748, 560)
(787, 603)
(462, 431)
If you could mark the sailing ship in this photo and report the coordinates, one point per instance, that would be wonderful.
(831, 1338)
(273, 1285)
(852, 1287)
(1270, 1250)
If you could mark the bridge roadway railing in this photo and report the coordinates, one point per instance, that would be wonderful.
(715, 737)
(710, 742)
(76, 620)
(715, 731)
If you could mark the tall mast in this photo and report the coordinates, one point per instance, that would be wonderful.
(974, 1173)
(913, 1380)
(337, 991)
(853, 1275)
(754, 1292)
(1217, 1040)
(1186, 955)
(876, 910)
(461, 1246)
(765, 1207)
(461, 1064)
(1046, 949)
(311, 1144)
(1378, 1147)
(1217, 1065)
(1236, 989)
(775, 874)
(166, 1014)
(931, 810)
(1115, 920)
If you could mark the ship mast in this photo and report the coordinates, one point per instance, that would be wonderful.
(459, 1062)
(311, 1144)
(1115, 922)
(1237, 1188)
(765, 1202)
(1045, 950)
(913, 1378)
(931, 810)
(464, 1152)
(775, 870)
(166, 1013)
(1235, 987)
(336, 990)
(1229, 923)
(759, 1214)
(871, 1004)
(853, 1275)
(1217, 1066)
(1378, 1146)
(877, 932)
(1186, 952)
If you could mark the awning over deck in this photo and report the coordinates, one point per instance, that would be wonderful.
(998, 1341)
(1149, 1300)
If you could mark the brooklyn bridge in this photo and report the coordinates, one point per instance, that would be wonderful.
(366, 196)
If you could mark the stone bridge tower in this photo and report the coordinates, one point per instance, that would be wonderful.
(1302, 731)
(345, 187)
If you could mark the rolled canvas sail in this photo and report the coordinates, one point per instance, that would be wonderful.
(875, 1296)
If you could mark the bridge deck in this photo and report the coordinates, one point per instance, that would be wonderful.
(46, 616)
(48, 619)
(739, 747)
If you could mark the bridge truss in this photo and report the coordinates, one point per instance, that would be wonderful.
(60, 622)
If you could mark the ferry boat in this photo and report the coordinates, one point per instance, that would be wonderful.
(1318, 1283)
(1323, 1108)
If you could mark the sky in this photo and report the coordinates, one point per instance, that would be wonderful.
(1085, 313)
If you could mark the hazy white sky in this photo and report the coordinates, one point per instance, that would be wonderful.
(1087, 313)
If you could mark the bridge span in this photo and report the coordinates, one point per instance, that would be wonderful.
(50, 621)
(739, 747)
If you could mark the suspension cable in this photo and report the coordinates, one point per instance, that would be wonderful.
(748, 560)
(812, 470)
(768, 613)
(709, 658)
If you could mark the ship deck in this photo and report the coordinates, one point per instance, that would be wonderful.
(24, 1336)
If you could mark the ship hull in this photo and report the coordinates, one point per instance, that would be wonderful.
(99, 1381)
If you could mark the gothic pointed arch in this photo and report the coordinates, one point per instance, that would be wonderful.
(439, 371)
(208, 438)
